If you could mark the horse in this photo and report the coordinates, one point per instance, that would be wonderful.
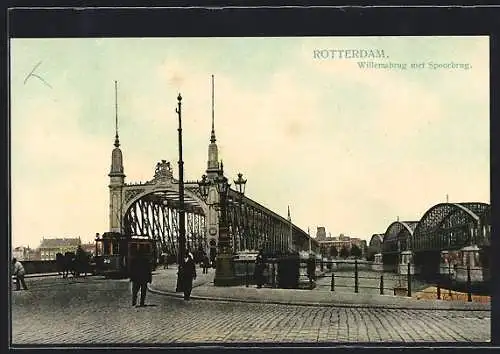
(82, 264)
(60, 263)
(69, 264)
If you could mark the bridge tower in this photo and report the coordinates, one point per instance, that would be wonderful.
(213, 170)
(116, 180)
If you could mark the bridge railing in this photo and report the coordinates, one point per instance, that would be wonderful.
(280, 272)
(359, 276)
(464, 285)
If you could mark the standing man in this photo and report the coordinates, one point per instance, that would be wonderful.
(311, 269)
(205, 263)
(18, 271)
(140, 276)
(189, 273)
(259, 269)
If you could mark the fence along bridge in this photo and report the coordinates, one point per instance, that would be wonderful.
(152, 209)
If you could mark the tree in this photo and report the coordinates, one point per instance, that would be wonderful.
(344, 252)
(356, 251)
(333, 251)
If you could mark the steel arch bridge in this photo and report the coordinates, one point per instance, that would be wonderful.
(398, 237)
(375, 245)
(151, 209)
(451, 226)
(376, 241)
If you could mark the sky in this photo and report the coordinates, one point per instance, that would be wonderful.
(347, 148)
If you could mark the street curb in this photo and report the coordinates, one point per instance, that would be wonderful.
(35, 275)
(315, 304)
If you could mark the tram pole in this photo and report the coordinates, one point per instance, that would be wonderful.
(182, 215)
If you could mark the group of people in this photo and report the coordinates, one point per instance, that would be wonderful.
(140, 274)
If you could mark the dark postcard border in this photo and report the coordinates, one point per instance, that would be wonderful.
(235, 22)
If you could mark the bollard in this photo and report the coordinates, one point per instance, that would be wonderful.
(356, 285)
(469, 294)
(246, 273)
(409, 279)
(381, 285)
(438, 290)
(332, 286)
(449, 280)
(273, 274)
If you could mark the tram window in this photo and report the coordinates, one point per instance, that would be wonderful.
(116, 249)
(105, 246)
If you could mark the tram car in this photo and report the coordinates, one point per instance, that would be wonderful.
(114, 252)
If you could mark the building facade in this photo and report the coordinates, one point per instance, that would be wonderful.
(23, 253)
(338, 242)
(49, 247)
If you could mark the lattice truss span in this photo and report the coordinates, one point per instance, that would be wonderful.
(451, 226)
(253, 226)
(156, 215)
(375, 244)
(152, 209)
(398, 237)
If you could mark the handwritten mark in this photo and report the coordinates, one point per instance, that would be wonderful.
(32, 73)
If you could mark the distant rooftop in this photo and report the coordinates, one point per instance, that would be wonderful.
(59, 242)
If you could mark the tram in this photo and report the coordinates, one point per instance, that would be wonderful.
(114, 252)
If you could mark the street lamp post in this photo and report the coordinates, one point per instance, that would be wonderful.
(182, 216)
(224, 268)
(240, 187)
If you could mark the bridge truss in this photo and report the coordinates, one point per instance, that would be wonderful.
(152, 209)
(398, 237)
(451, 226)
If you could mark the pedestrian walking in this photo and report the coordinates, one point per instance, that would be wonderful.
(18, 272)
(259, 269)
(205, 263)
(188, 275)
(311, 269)
(164, 259)
(140, 276)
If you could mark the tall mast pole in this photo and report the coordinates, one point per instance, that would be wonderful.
(182, 216)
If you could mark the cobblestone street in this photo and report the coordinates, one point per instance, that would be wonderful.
(96, 310)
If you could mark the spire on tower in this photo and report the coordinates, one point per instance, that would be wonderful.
(117, 141)
(212, 135)
(116, 155)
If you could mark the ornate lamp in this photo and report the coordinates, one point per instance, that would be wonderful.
(240, 184)
(222, 188)
(204, 185)
(240, 187)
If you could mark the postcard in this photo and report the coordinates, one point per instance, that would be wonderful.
(218, 190)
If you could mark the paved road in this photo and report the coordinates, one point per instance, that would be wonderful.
(95, 310)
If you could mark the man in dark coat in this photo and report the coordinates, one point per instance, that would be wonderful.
(188, 274)
(205, 263)
(140, 276)
(311, 269)
(259, 269)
